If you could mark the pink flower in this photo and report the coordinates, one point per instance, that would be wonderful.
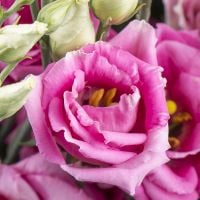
(176, 182)
(178, 52)
(183, 13)
(106, 108)
(37, 179)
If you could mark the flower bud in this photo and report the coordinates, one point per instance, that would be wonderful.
(54, 13)
(17, 40)
(75, 31)
(114, 11)
(13, 96)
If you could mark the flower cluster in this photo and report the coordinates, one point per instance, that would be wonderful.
(90, 112)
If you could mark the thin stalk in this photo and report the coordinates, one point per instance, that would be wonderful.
(6, 127)
(145, 11)
(45, 50)
(44, 42)
(45, 2)
(34, 10)
(14, 146)
(6, 71)
(102, 31)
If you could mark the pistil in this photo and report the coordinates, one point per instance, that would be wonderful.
(101, 97)
(176, 123)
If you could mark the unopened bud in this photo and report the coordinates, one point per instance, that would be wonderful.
(14, 96)
(54, 13)
(75, 31)
(114, 11)
(17, 40)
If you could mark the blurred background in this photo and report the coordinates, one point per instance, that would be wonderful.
(157, 15)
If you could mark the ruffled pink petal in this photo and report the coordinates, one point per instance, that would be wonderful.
(13, 186)
(139, 38)
(174, 60)
(140, 194)
(123, 139)
(157, 193)
(191, 99)
(44, 138)
(100, 72)
(152, 92)
(165, 32)
(93, 149)
(60, 77)
(120, 117)
(37, 164)
(118, 63)
(182, 154)
(126, 176)
(181, 180)
(56, 111)
(90, 149)
(52, 188)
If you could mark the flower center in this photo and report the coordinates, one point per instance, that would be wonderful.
(101, 97)
(177, 120)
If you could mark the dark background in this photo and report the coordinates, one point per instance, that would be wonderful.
(157, 15)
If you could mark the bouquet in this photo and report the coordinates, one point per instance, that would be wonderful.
(99, 99)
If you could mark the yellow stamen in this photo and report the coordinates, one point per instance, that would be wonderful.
(109, 96)
(96, 97)
(172, 107)
(181, 117)
(174, 142)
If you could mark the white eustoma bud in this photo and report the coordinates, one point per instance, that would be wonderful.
(114, 11)
(17, 40)
(14, 96)
(75, 31)
(54, 13)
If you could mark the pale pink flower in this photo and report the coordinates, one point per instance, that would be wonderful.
(178, 53)
(117, 143)
(37, 179)
(183, 13)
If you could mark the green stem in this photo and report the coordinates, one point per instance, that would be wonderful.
(145, 11)
(45, 2)
(102, 31)
(14, 146)
(15, 7)
(34, 10)
(44, 45)
(6, 71)
(6, 127)
(44, 42)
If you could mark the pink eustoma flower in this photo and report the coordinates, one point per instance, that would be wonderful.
(178, 52)
(183, 13)
(106, 108)
(37, 179)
